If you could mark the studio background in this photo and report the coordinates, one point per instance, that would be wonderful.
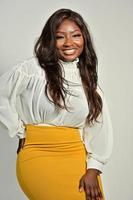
(111, 26)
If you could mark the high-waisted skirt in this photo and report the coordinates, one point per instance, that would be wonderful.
(51, 163)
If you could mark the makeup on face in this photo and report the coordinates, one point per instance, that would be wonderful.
(69, 41)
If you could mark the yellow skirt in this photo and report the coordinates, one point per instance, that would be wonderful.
(51, 163)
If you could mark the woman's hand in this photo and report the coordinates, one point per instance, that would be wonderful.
(21, 144)
(89, 183)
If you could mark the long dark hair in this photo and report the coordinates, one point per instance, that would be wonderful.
(45, 51)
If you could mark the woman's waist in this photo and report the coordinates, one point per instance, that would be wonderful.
(45, 133)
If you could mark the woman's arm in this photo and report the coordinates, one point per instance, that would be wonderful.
(12, 84)
(98, 140)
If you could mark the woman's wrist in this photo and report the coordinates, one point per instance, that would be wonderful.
(93, 171)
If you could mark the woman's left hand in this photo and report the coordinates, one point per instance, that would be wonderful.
(20, 145)
(89, 183)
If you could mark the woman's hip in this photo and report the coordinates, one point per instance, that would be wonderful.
(51, 163)
(53, 142)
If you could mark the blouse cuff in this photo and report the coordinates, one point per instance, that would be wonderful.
(92, 163)
(20, 130)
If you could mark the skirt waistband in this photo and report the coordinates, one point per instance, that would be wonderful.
(51, 134)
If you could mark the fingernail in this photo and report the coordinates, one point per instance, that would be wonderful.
(81, 189)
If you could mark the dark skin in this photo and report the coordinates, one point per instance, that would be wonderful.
(20, 145)
(88, 182)
(70, 44)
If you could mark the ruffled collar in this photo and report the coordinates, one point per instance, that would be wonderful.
(71, 72)
(71, 64)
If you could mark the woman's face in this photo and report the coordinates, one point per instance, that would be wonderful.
(69, 41)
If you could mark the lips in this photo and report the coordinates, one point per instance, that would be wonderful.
(69, 51)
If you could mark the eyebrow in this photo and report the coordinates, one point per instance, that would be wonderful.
(70, 31)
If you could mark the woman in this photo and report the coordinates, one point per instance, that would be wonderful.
(52, 102)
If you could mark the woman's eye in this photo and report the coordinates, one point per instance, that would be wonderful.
(59, 37)
(76, 35)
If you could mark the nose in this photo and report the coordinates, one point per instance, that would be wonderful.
(68, 42)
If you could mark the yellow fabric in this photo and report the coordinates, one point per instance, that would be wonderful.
(51, 163)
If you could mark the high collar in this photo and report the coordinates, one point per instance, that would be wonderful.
(71, 72)
(70, 64)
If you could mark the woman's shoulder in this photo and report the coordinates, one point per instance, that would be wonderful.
(30, 67)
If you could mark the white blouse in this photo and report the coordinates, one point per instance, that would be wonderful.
(23, 101)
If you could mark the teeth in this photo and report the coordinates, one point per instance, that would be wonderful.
(70, 51)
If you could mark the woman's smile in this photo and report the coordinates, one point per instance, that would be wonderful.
(69, 51)
(69, 41)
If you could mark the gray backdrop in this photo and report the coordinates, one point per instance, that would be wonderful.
(111, 25)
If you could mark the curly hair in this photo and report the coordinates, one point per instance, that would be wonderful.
(46, 53)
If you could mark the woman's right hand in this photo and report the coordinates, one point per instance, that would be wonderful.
(21, 144)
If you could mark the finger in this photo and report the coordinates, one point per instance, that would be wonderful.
(88, 192)
(88, 197)
(18, 150)
(81, 185)
(23, 142)
(96, 191)
(99, 193)
(92, 193)
(20, 145)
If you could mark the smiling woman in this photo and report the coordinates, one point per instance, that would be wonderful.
(70, 41)
(53, 103)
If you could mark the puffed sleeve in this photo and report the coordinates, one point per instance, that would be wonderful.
(98, 139)
(12, 84)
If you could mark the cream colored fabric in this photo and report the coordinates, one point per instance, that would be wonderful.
(23, 101)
